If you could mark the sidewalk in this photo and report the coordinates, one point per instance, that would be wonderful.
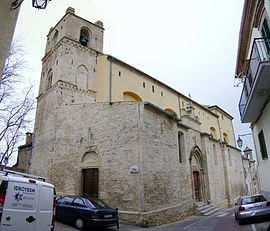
(61, 227)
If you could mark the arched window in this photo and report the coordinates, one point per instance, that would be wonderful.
(171, 112)
(55, 36)
(226, 138)
(131, 96)
(49, 79)
(81, 78)
(84, 36)
(213, 132)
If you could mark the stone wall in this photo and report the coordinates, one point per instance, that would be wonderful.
(216, 172)
(114, 138)
(235, 173)
(135, 147)
(167, 182)
(24, 159)
(92, 135)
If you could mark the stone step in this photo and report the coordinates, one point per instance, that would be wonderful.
(204, 206)
(206, 209)
(199, 204)
(211, 212)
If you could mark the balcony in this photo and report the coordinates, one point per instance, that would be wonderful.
(256, 89)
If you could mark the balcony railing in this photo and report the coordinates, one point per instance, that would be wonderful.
(260, 53)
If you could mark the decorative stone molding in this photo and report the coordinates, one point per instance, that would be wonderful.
(74, 87)
(70, 42)
(76, 44)
(90, 156)
(193, 118)
(92, 148)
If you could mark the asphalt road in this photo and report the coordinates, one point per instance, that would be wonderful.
(224, 221)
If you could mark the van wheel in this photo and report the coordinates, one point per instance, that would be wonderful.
(79, 223)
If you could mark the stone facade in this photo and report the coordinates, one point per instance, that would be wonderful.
(153, 164)
(116, 137)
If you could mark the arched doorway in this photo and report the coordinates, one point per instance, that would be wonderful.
(198, 179)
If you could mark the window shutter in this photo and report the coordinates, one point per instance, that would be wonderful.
(263, 145)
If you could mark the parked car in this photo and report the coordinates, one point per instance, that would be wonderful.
(249, 207)
(82, 211)
(26, 202)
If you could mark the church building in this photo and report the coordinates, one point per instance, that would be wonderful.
(107, 129)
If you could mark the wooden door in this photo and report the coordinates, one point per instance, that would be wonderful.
(197, 185)
(90, 182)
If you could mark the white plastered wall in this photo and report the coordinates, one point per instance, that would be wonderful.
(264, 165)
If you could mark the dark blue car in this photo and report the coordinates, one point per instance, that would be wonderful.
(82, 212)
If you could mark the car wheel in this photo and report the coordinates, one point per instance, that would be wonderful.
(79, 223)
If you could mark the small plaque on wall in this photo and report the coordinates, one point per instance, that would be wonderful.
(134, 169)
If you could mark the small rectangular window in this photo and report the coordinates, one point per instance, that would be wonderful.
(180, 146)
(262, 145)
(143, 84)
(153, 89)
(119, 73)
(161, 93)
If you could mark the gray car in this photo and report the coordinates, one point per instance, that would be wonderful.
(249, 207)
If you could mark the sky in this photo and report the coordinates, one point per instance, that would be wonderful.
(189, 45)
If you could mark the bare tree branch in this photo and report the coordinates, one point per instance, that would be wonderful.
(14, 110)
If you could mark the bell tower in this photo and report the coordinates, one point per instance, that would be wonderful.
(73, 45)
(68, 70)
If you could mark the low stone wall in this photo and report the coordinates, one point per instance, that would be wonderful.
(157, 217)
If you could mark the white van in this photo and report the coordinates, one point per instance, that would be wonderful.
(26, 202)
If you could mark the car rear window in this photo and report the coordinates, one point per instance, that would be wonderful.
(67, 200)
(96, 203)
(253, 199)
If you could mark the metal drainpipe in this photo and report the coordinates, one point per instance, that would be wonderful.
(110, 82)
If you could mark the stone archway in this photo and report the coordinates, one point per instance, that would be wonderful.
(198, 178)
(90, 166)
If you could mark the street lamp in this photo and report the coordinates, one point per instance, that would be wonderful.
(39, 4)
(240, 141)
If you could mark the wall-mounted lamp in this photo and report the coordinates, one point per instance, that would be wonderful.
(39, 4)
(240, 141)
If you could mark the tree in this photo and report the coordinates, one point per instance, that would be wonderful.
(14, 105)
